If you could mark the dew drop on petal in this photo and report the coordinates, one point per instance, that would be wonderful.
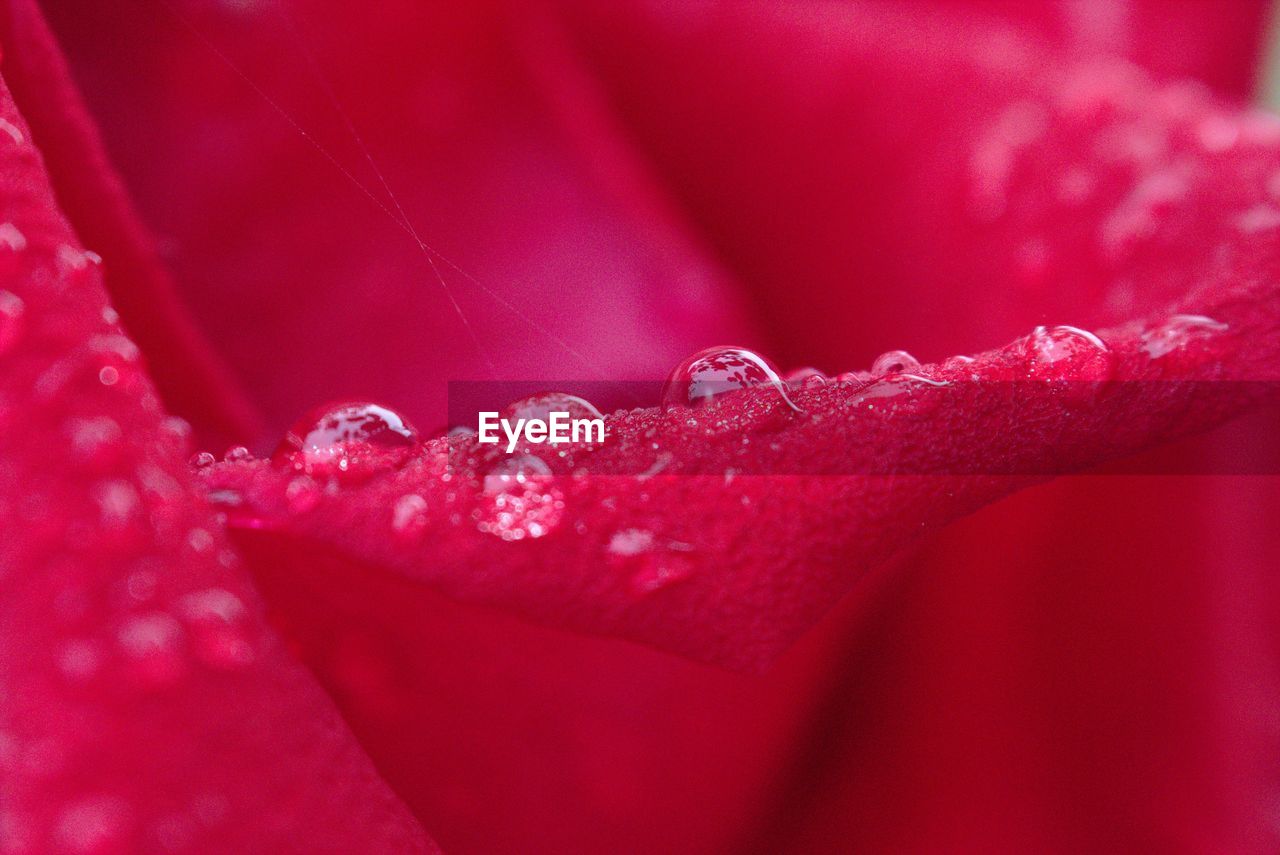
(520, 499)
(717, 371)
(854, 378)
(202, 460)
(302, 494)
(900, 393)
(1178, 333)
(237, 454)
(894, 362)
(542, 405)
(409, 517)
(1073, 360)
(806, 378)
(348, 441)
(650, 564)
(12, 320)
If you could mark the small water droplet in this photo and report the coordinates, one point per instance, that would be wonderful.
(237, 454)
(650, 563)
(409, 517)
(202, 460)
(855, 378)
(900, 392)
(894, 362)
(717, 371)
(520, 499)
(350, 442)
(630, 541)
(542, 405)
(12, 320)
(1178, 334)
(1073, 360)
(302, 494)
(806, 378)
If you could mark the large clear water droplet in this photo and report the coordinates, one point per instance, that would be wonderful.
(1071, 361)
(718, 371)
(350, 442)
(520, 499)
(1066, 354)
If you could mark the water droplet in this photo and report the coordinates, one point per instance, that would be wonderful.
(1073, 360)
(12, 320)
(202, 460)
(348, 441)
(302, 494)
(894, 362)
(630, 541)
(900, 392)
(1178, 333)
(520, 499)
(855, 378)
(542, 405)
(237, 454)
(652, 564)
(409, 517)
(806, 378)
(717, 371)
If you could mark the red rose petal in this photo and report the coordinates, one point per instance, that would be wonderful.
(146, 706)
(735, 567)
(192, 380)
